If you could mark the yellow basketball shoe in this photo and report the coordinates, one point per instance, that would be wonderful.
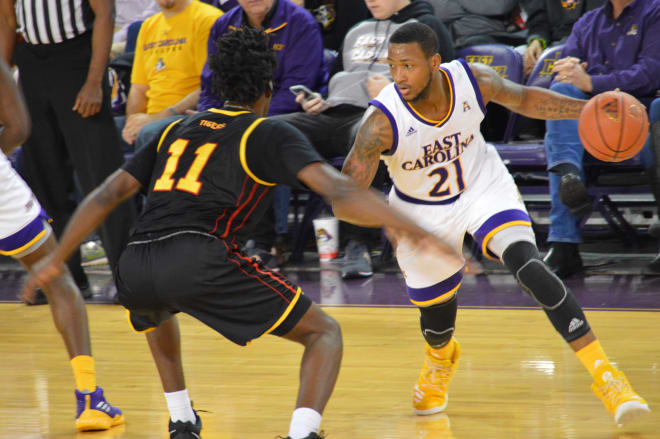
(430, 394)
(613, 388)
(95, 413)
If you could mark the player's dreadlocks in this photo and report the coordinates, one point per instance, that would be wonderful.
(243, 66)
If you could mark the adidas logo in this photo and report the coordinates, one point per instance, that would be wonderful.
(411, 131)
(575, 324)
(104, 406)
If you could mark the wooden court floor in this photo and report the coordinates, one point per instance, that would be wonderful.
(516, 379)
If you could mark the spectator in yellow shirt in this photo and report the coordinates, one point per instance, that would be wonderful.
(169, 57)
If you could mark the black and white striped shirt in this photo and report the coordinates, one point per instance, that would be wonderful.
(53, 21)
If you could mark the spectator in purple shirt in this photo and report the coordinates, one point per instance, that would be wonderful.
(296, 39)
(616, 46)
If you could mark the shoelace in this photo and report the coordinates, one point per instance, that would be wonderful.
(614, 390)
(437, 373)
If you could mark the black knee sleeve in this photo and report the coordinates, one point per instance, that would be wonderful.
(438, 322)
(518, 254)
(557, 301)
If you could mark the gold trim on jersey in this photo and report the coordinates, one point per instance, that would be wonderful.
(451, 105)
(440, 299)
(489, 236)
(167, 130)
(130, 323)
(26, 246)
(242, 149)
(286, 313)
(226, 112)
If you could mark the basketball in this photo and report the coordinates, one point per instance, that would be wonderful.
(613, 126)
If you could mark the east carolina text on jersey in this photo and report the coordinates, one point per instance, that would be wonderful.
(441, 151)
(434, 161)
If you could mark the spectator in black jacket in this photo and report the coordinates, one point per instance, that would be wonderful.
(549, 22)
(336, 18)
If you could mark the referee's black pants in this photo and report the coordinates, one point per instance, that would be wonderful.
(62, 142)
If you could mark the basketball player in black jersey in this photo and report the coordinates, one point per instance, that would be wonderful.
(207, 177)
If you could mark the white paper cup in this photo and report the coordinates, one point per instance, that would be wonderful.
(326, 231)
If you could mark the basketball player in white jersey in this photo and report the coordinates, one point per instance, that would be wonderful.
(26, 236)
(425, 126)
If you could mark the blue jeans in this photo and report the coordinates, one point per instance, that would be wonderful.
(562, 145)
(120, 121)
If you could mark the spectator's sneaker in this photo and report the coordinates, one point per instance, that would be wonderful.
(573, 193)
(95, 413)
(186, 430)
(357, 262)
(93, 253)
(309, 436)
(613, 388)
(430, 395)
(564, 259)
(263, 255)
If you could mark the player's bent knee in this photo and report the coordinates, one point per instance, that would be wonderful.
(437, 322)
(331, 327)
(518, 254)
(559, 304)
(543, 285)
(315, 323)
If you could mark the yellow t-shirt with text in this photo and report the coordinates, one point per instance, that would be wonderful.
(171, 52)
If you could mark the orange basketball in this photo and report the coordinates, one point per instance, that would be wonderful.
(613, 126)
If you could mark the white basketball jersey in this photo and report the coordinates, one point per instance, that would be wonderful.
(433, 162)
(18, 206)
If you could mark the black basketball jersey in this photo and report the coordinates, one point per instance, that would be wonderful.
(214, 171)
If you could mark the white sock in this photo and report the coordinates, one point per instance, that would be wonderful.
(303, 422)
(179, 406)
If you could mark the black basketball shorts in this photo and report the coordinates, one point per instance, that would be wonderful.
(209, 279)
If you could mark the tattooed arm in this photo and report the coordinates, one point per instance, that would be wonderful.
(374, 137)
(534, 102)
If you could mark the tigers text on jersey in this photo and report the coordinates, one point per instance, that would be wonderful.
(433, 162)
(214, 171)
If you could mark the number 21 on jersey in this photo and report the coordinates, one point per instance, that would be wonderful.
(443, 187)
(189, 183)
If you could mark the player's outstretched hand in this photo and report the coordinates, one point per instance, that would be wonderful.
(43, 273)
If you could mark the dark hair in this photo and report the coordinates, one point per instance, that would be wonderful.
(417, 33)
(243, 65)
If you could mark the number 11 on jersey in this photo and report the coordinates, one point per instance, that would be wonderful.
(189, 183)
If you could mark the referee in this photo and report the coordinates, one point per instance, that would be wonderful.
(61, 48)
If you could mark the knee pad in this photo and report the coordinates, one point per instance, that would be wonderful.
(544, 286)
(437, 322)
(557, 301)
(518, 254)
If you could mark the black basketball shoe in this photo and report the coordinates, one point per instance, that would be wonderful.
(186, 430)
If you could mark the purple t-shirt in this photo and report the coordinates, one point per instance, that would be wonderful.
(622, 53)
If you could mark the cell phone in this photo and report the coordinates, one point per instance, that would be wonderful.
(301, 89)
